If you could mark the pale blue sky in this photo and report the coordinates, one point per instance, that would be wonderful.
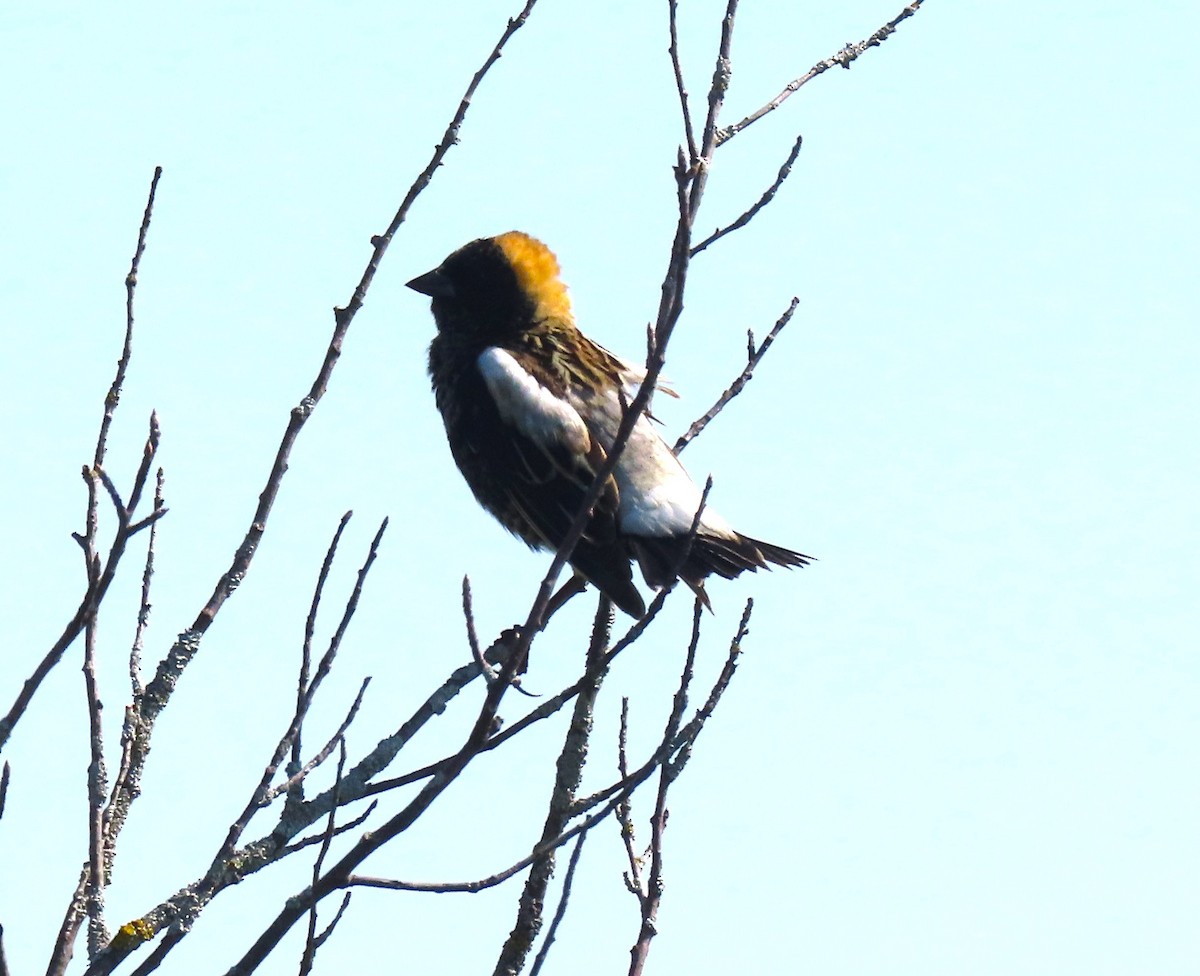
(963, 742)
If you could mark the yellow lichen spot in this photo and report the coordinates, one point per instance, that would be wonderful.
(537, 271)
(132, 934)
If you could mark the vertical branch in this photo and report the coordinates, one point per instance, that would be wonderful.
(98, 584)
(312, 941)
(560, 912)
(650, 894)
(143, 619)
(673, 50)
(633, 877)
(96, 777)
(114, 391)
(570, 770)
(127, 783)
(310, 626)
(722, 74)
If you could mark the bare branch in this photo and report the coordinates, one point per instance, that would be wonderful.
(688, 132)
(690, 733)
(784, 172)
(473, 638)
(113, 495)
(97, 586)
(317, 838)
(633, 877)
(722, 74)
(311, 940)
(690, 179)
(569, 772)
(97, 777)
(326, 751)
(149, 452)
(845, 57)
(650, 892)
(180, 910)
(143, 619)
(539, 853)
(114, 391)
(97, 787)
(263, 793)
(310, 625)
(323, 937)
(188, 643)
(754, 357)
(560, 912)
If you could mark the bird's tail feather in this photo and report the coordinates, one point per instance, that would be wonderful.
(665, 558)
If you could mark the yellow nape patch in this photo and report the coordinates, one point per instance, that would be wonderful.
(536, 268)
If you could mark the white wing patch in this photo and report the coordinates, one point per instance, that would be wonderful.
(658, 497)
(530, 407)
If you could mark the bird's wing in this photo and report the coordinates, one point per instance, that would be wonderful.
(657, 495)
(552, 456)
(541, 460)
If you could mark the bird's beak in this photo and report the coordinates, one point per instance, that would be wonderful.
(434, 284)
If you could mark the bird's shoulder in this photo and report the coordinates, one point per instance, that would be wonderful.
(565, 361)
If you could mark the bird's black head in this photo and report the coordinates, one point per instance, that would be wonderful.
(495, 287)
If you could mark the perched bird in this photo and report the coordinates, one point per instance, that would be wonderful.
(531, 407)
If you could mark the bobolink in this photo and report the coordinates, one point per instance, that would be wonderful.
(531, 406)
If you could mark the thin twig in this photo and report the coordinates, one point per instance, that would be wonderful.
(114, 391)
(754, 357)
(293, 782)
(324, 935)
(186, 647)
(722, 74)
(114, 496)
(561, 911)
(311, 943)
(610, 799)
(263, 793)
(126, 784)
(688, 132)
(539, 853)
(182, 909)
(96, 589)
(650, 892)
(188, 643)
(472, 637)
(256, 855)
(310, 626)
(845, 57)
(784, 172)
(305, 842)
(143, 618)
(690, 732)
(633, 877)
